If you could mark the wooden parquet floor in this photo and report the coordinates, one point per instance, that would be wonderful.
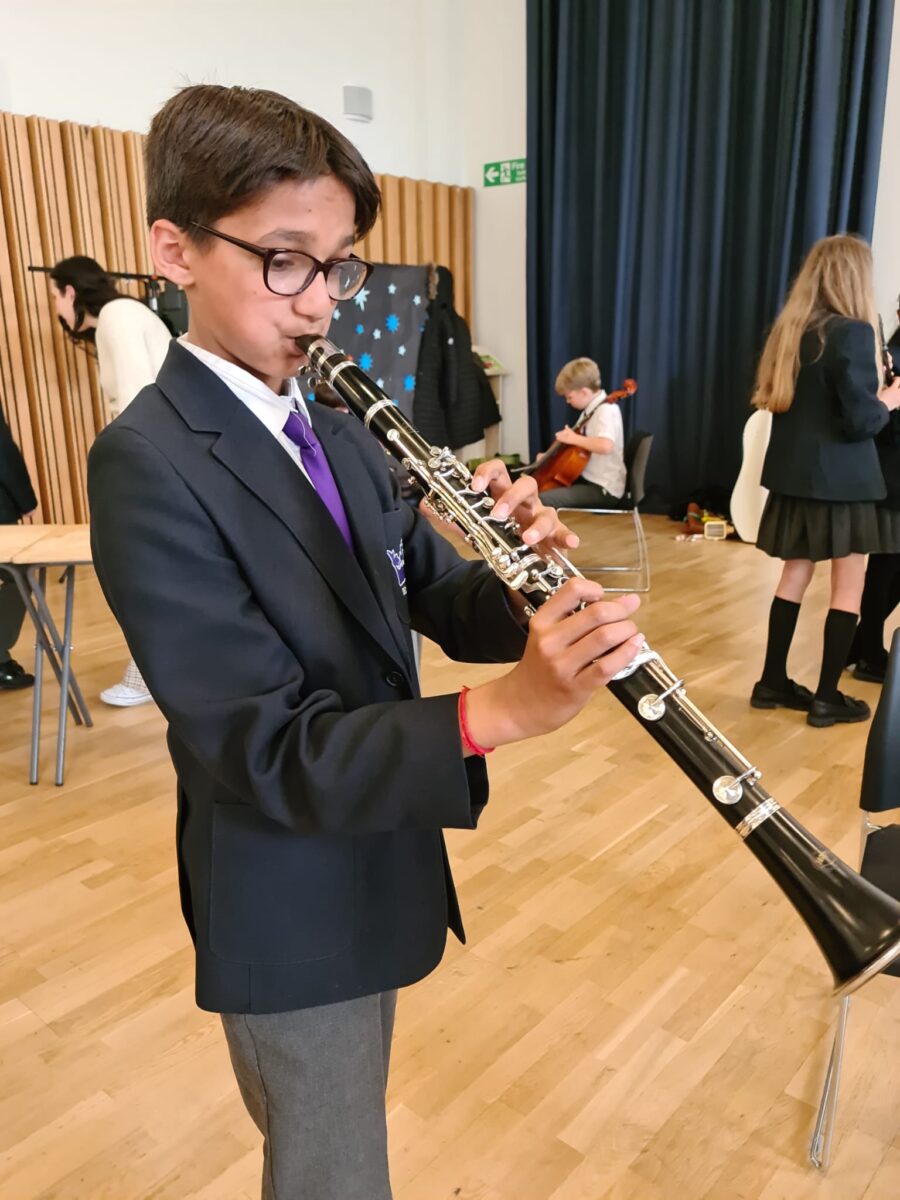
(638, 1015)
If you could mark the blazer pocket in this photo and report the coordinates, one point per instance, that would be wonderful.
(395, 557)
(276, 897)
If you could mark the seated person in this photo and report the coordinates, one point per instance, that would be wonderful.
(602, 482)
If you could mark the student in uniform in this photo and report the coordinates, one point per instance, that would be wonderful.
(268, 577)
(820, 375)
(602, 482)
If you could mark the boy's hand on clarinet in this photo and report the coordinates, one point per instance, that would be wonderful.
(540, 524)
(890, 395)
(571, 652)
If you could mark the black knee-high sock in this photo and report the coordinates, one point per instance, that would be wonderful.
(782, 623)
(875, 608)
(839, 628)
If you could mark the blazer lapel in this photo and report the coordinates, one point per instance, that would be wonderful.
(250, 452)
(363, 508)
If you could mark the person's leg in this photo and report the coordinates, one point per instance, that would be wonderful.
(130, 691)
(580, 495)
(894, 592)
(12, 614)
(874, 609)
(775, 689)
(313, 1081)
(795, 579)
(830, 705)
(848, 577)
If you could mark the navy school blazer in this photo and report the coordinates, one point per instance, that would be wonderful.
(822, 448)
(313, 780)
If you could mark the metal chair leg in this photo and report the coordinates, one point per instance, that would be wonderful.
(642, 569)
(644, 555)
(820, 1144)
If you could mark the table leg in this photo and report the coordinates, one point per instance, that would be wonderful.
(76, 700)
(25, 584)
(66, 673)
(34, 766)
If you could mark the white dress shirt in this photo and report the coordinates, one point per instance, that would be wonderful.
(267, 406)
(608, 470)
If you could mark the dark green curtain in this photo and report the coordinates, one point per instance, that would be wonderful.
(683, 155)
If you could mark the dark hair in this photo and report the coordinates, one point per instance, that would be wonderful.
(93, 287)
(213, 149)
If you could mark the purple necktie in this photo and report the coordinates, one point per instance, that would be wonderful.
(301, 434)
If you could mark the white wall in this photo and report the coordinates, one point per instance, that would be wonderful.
(886, 234)
(114, 62)
(494, 121)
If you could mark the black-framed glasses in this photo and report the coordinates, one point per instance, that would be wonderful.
(290, 272)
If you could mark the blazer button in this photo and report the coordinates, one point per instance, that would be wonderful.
(395, 679)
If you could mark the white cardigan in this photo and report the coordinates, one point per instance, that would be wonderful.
(131, 344)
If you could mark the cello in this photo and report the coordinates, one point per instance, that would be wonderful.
(562, 464)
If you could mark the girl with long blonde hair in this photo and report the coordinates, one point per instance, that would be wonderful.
(820, 377)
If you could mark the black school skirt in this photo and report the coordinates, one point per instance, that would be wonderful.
(818, 530)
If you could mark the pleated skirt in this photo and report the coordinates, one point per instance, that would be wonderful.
(818, 530)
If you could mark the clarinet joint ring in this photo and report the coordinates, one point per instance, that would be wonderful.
(755, 818)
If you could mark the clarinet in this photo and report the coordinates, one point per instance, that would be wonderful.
(856, 926)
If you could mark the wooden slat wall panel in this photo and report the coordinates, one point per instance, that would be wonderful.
(13, 395)
(74, 414)
(443, 253)
(425, 222)
(83, 188)
(409, 222)
(119, 230)
(137, 196)
(71, 189)
(38, 391)
(393, 238)
(458, 245)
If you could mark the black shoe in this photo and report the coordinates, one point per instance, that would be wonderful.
(13, 677)
(870, 672)
(832, 712)
(790, 695)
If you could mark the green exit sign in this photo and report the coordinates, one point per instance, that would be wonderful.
(511, 170)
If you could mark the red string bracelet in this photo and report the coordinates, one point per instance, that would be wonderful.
(468, 741)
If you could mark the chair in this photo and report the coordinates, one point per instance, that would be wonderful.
(879, 863)
(637, 452)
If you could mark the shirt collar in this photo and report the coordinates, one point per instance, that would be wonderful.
(271, 407)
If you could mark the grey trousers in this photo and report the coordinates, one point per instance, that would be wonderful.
(313, 1081)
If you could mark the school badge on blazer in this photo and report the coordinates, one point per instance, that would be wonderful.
(397, 562)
